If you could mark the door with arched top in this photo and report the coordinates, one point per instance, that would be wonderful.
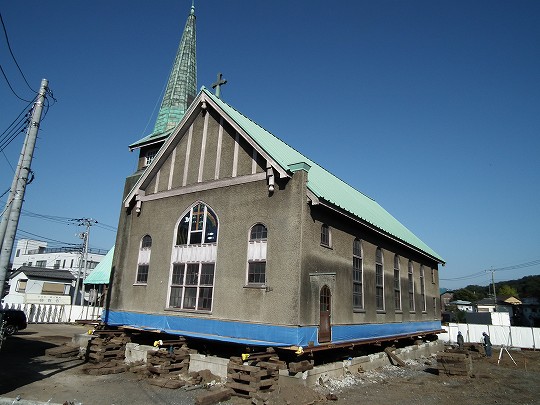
(325, 299)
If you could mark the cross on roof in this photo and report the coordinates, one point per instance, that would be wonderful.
(218, 83)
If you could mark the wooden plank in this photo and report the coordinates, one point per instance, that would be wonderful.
(241, 367)
(394, 357)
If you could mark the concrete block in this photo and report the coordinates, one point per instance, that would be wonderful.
(81, 340)
(216, 365)
(136, 352)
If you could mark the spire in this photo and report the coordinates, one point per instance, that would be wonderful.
(182, 84)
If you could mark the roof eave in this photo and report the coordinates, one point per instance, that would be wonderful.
(321, 201)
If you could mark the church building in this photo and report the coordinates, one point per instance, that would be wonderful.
(227, 233)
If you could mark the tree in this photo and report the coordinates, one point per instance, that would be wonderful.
(505, 289)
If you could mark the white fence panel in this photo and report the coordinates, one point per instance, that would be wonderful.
(521, 337)
(48, 313)
(512, 336)
(536, 338)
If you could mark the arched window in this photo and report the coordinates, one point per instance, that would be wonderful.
(256, 272)
(358, 285)
(146, 242)
(193, 260)
(326, 237)
(397, 284)
(422, 288)
(143, 263)
(411, 286)
(198, 226)
(379, 280)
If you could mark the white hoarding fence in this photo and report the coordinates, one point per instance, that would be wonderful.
(511, 336)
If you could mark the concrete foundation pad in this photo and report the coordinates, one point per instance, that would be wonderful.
(354, 365)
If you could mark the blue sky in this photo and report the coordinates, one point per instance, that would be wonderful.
(431, 108)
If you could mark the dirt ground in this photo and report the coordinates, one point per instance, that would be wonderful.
(26, 372)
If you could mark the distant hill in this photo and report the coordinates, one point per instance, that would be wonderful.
(526, 287)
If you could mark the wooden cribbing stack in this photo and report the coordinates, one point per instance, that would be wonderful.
(258, 373)
(172, 357)
(106, 352)
(455, 364)
(107, 345)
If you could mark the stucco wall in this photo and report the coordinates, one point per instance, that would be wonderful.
(333, 266)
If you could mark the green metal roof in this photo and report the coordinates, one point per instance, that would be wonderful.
(181, 88)
(323, 184)
(102, 272)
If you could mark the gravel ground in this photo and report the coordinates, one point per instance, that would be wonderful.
(27, 373)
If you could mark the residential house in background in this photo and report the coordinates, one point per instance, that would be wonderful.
(36, 285)
(35, 253)
(462, 305)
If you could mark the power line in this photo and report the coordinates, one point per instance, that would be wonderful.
(483, 272)
(44, 238)
(9, 85)
(13, 56)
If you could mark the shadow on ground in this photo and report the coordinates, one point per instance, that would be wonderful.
(23, 360)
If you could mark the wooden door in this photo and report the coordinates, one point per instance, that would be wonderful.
(324, 308)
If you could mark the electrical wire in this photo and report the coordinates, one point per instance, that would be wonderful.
(10, 165)
(46, 239)
(12, 135)
(26, 110)
(13, 56)
(9, 85)
(483, 272)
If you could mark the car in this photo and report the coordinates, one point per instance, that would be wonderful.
(14, 320)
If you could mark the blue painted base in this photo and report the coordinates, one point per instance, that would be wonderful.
(253, 334)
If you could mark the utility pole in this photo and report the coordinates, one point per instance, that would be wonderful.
(494, 293)
(88, 222)
(15, 200)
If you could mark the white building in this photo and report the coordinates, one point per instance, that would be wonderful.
(33, 285)
(34, 253)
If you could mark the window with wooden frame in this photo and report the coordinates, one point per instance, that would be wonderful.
(358, 282)
(192, 286)
(143, 262)
(257, 247)
(410, 277)
(397, 284)
(326, 237)
(379, 280)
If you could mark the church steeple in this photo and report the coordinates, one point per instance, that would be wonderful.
(182, 85)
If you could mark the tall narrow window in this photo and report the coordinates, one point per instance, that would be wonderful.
(358, 293)
(379, 280)
(422, 288)
(397, 284)
(143, 264)
(193, 260)
(411, 286)
(326, 239)
(256, 273)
